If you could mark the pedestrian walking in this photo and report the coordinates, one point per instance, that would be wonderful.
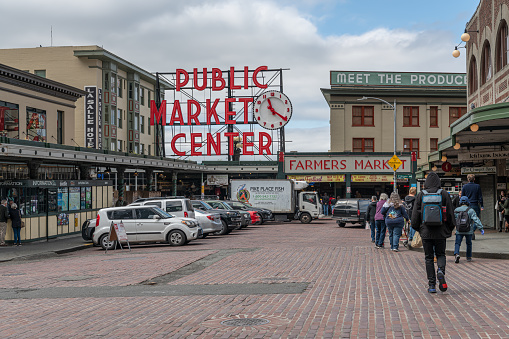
(380, 222)
(434, 225)
(325, 203)
(456, 200)
(500, 208)
(370, 217)
(120, 202)
(506, 214)
(465, 220)
(395, 216)
(409, 205)
(4, 215)
(472, 191)
(16, 223)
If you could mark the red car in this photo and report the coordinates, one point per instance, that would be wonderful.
(255, 218)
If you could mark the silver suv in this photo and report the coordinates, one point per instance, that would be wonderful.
(145, 224)
(179, 207)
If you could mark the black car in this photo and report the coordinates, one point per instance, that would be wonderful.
(265, 214)
(350, 210)
(230, 219)
(221, 204)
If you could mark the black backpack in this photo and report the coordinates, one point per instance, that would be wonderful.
(463, 221)
(432, 208)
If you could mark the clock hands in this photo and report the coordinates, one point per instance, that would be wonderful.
(274, 111)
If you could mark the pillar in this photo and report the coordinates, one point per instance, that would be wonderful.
(121, 181)
(174, 179)
(149, 177)
(348, 182)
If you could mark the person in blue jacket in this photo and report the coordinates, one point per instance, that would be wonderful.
(475, 222)
(473, 192)
(395, 215)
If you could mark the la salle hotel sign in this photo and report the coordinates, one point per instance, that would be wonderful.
(203, 114)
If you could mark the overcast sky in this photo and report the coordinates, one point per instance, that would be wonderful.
(311, 37)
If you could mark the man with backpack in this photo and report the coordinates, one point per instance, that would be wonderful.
(466, 218)
(433, 218)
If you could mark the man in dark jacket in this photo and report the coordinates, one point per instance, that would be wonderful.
(409, 205)
(434, 237)
(4, 215)
(370, 217)
(473, 192)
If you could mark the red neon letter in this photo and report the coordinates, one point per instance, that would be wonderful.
(246, 144)
(216, 145)
(211, 111)
(204, 79)
(255, 73)
(190, 115)
(232, 79)
(228, 113)
(195, 144)
(246, 102)
(217, 75)
(176, 114)
(186, 79)
(230, 136)
(174, 140)
(156, 115)
(246, 77)
(265, 147)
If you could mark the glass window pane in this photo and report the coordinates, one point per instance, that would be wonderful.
(9, 120)
(36, 124)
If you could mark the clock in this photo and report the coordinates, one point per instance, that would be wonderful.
(272, 110)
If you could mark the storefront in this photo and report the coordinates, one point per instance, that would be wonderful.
(52, 208)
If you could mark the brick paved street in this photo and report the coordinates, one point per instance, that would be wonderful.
(307, 281)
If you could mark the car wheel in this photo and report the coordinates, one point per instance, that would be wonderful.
(305, 218)
(105, 244)
(176, 238)
(224, 228)
(341, 224)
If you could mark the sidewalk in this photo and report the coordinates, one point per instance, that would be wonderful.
(43, 248)
(491, 245)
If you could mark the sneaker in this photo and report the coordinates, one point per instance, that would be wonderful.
(469, 259)
(442, 285)
(432, 289)
(395, 250)
(457, 258)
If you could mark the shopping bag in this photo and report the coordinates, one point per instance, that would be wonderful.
(416, 241)
(368, 226)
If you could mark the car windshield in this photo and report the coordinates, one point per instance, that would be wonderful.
(219, 205)
(162, 213)
(237, 205)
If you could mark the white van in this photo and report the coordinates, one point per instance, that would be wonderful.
(179, 207)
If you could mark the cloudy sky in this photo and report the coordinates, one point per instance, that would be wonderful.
(310, 37)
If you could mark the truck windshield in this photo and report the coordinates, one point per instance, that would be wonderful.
(309, 197)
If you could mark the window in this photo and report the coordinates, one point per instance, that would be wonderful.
(149, 149)
(148, 126)
(119, 89)
(142, 96)
(106, 81)
(433, 144)
(106, 113)
(36, 124)
(154, 203)
(113, 118)
(113, 80)
(146, 213)
(112, 145)
(410, 116)
(502, 44)
(363, 116)
(363, 144)
(120, 214)
(486, 71)
(119, 116)
(433, 116)
(40, 72)
(60, 127)
(142, 148)
(455, 113)
(136, 122)
(142, 124)
(119, 145)
(472, 76)
(148, 98)
(130, 94)
(173, 206)
(9, 120)
(136, 92)
(411, 145)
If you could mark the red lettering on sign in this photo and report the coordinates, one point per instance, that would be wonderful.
(230, 136)
(204, 79)
(211, 111)
(368, 165)
(318, 165)
(309, 164)
(359, 163)
(246, 78)
(216, 145)
(386, 166)
(255, 74)
(190, 115)
(246, 102)
(335, 164)
(245, 143)
(174, 140)
(343, 164)
(403, 164)
(176, 114)
(217, 75)
(232, 79)
(291, 164)
(326, 164)
(181, 83)
(377, 164)
(229, 113)
(299, 164)
(157, 114)
(263, 146)
(194, 144)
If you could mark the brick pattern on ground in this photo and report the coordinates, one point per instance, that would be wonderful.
(354, 291)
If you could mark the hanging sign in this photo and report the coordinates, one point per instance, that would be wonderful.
(479, 170)
(471, 156)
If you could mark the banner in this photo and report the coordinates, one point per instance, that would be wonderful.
(217, 179)
(99, 118)
(318, 178)
(90, 116)
(471, 156)
(372, 178)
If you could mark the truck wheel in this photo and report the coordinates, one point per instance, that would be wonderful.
(341, 224)
(305, 218)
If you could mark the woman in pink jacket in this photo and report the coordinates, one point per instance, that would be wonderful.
(380, 222)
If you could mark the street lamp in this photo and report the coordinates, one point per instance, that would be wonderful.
(395, 120)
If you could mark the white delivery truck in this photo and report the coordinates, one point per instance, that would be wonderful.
(283, 197)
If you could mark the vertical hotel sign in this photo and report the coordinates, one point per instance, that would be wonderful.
(90, 116)
(99, 118)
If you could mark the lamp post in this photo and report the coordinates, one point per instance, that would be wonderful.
(394, 109)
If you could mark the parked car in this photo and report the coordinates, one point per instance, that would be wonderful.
(179, 207)
(263, 213)
(230, 219)
(350, 210)
(145, 224)
(209, 222)
(221, 204)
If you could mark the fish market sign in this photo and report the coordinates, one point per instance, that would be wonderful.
(339, 78)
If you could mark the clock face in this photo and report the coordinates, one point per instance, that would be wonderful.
(272, 110)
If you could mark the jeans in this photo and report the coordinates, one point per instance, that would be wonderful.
(325, 209)
(468, 240)
(411, 233)
(373, 229)
(434, 247)
(395, 231)
(380, 232)
(477, 211)
(17, 238)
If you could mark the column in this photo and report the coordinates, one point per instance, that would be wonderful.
(149, 177)
(121, 181)
(348, 182)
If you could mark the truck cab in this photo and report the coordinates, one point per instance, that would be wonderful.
(308, 206)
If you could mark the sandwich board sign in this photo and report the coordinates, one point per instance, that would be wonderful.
(117, 233)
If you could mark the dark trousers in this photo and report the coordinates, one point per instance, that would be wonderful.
(477, 210)
(432, 248)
